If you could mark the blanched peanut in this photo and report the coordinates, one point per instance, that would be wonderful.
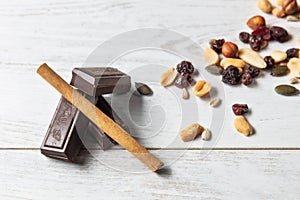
(243, 126)
(202, 88)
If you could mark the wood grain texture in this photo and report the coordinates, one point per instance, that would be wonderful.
(65, 33)
(220, 175)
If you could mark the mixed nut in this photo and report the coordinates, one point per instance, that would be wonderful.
(241, 65)
(287, 8)
(193, 131)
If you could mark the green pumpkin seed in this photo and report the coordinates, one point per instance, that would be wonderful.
(286, 90)
(279, 70)
(214, 69)
(143, 89)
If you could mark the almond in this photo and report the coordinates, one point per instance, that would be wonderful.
(211, 57)
(168, 78)
(256, 22)
(191, 132)
(252, 57)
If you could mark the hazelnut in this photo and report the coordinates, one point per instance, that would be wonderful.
(230, 50)
(290, 7)
(256, 22)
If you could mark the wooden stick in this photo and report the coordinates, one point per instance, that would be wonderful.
(99, 118)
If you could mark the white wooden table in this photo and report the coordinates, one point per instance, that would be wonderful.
(64, 33)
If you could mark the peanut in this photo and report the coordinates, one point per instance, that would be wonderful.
(278, 13)
(202, 88)
(168, 78)
(191, 132)
(278, 56)
(243, 126)
(294, 66)
(265, 6)
(280, 2)
(226, 62)
(211, 57)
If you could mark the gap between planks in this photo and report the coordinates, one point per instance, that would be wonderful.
(175, 149)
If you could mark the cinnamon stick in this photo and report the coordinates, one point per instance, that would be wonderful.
(99, 118)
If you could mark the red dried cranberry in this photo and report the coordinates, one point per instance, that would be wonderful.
(263, 32)
(182, 82)
(292, 53)
(247, 79)
(239, 109)
(270, 62)
(255, 42)
(253, 71)
(185, 67)
(231, 75)
(279, 34)
(244, 37)
(216, 45)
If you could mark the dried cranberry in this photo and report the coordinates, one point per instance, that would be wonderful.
(255, 42)
(247, 79)
(185, 67)
(231, 75)
(244, 37)
(263, 32)
(279, 34)
(239, 109)
(270, 61)
(217, 45)
(253, 71)
(292, 53)
(182, 82)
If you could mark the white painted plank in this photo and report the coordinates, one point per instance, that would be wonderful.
(218, 175)
(64, 34)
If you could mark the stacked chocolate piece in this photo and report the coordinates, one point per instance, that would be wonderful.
(69, 126)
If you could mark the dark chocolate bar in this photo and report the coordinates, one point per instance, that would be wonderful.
(61, 140)
(69, 127)
(96, 81)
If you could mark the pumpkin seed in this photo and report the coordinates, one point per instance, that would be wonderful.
(143, 89)
(214, 69)
(279, 70)
(286, 90)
